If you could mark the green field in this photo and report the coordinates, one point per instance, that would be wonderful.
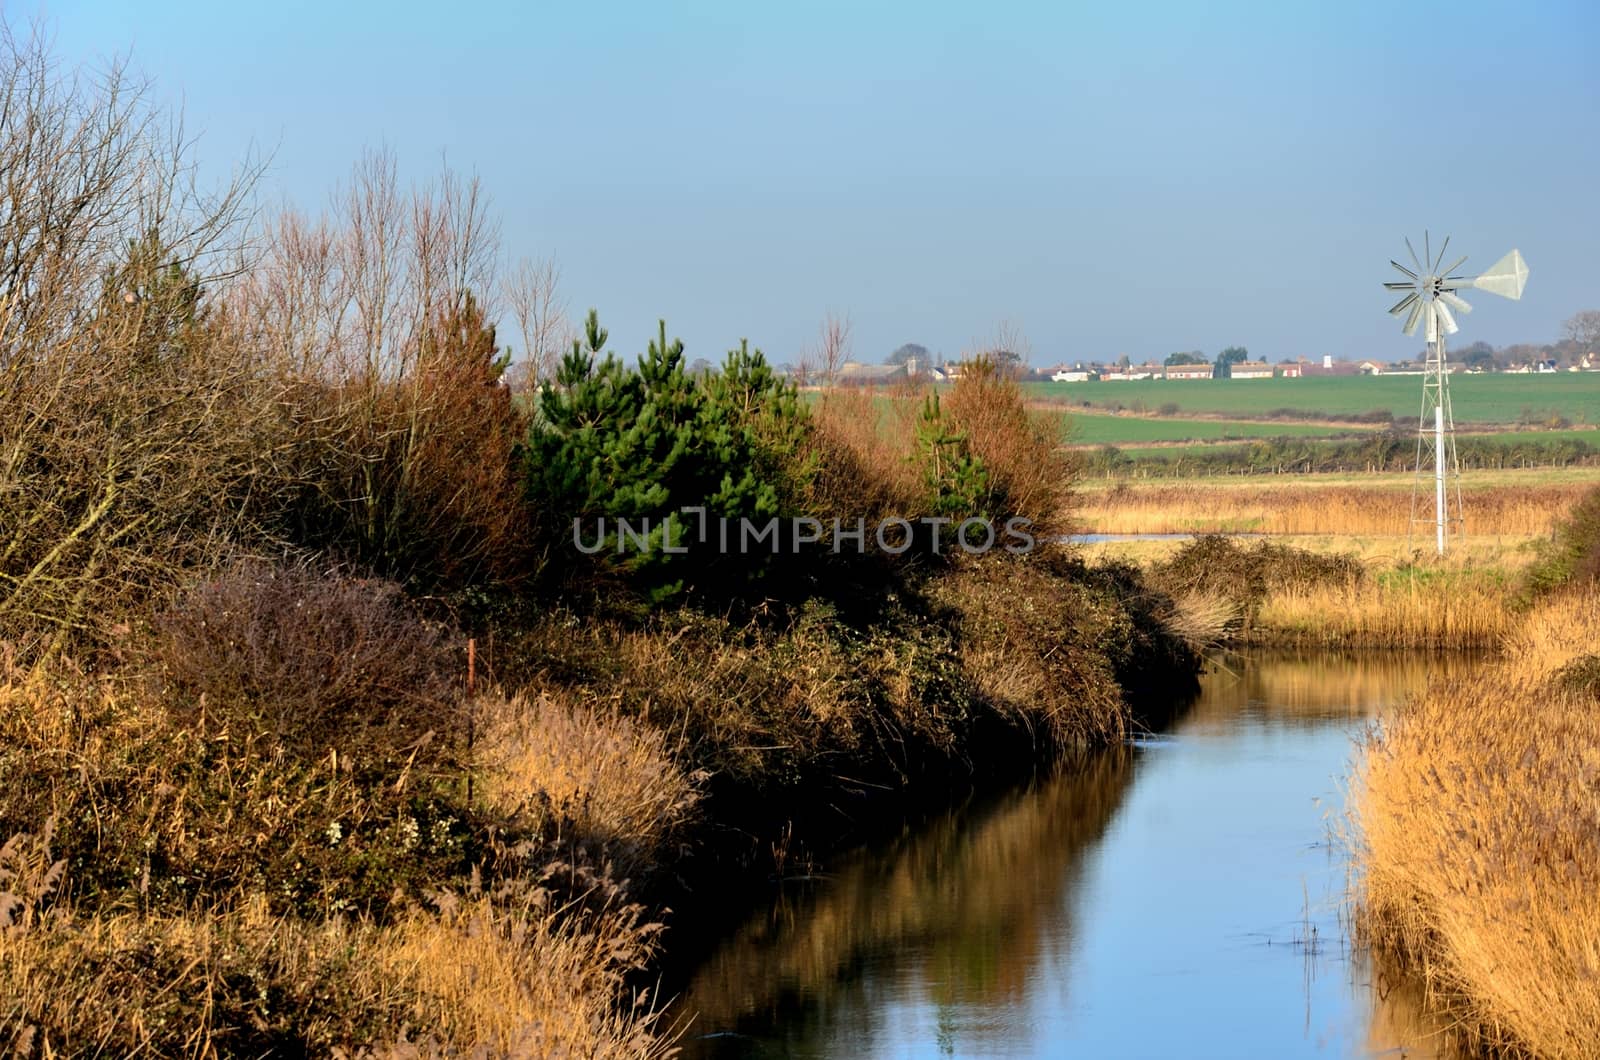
(1098, 429)
(1475, 398)
(1167, 452)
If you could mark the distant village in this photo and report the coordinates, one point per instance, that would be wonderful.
(1233, 363)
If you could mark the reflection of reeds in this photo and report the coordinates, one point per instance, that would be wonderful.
(1305, 505)
(1317, 685)
(1480, 843)
(973, 896)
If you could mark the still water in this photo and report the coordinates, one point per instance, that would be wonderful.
(1180, 897)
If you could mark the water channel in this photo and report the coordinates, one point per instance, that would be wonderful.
(1183, 896)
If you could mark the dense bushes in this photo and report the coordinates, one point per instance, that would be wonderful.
(1392, 450)
(1573, 556)
(410, 477)
(262, 812)
(318, 661)
(616, 454)
(1217, 567)
(1030, 473)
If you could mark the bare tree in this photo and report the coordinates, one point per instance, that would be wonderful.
(128, 421)
(532, 292)
(1009, 348)
(834, 348)
(1584, 329)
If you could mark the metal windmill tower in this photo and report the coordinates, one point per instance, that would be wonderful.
(1429, 299)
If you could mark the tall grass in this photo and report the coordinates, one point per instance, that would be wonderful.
(1265, 592)
(193, 886)
(1307, 506)
(477, 976)
(610, 780)
(1409, 609)
(1478, 844)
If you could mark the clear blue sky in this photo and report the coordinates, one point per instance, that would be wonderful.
(1113, 178)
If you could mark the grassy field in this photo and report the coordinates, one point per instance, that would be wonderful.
(1475, 398)
(1089, 428)
(1159, 440)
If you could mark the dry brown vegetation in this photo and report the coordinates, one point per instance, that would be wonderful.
(258, 479)
(1020, 448)
(476, 977)
(178, 383)
(872, 462)
(1412, 608)
(1305, 504)
(867, 447)
(582, 766)
(1479, 845)
(201, 890)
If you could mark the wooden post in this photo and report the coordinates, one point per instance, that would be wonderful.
(472, 707)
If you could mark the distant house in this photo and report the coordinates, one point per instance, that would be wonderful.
(1069, 375)
(870, 374)
(1189, 371)
(1289, 371)
(1252, 370)
(1370, 367)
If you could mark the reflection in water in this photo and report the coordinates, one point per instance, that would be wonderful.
(1176, 898)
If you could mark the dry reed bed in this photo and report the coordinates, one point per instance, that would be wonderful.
(1478, 840)
(1304, 506)
(1401, 610)
(140, 913)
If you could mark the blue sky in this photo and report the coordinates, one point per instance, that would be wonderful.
(1112, 178)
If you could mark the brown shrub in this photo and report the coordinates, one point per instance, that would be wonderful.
(317, 661)
(1042, 648)
(412, 477)
(1021, 450)
(1217, 573)
(153, 812)
(866, 454)
(129, 425)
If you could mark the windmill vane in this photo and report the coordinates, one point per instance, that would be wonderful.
(1429, 300)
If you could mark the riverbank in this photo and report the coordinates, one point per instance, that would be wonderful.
(209, 889)
(1473, 816)
(1329, 592)
(367, 685)
(1477, 847)
(1052, 916)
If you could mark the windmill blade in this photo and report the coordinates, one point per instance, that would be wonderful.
(1402, 268)
(1404, 304)
(1430, 323)
(1411, 321)
(1453, 267)
(1434, 268)
(1413, 252)
(1505, 277)
(1427, 249)
(1460, 305)
(1446, 321)
(1401, 285)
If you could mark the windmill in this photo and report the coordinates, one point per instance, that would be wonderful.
(1431, 301)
